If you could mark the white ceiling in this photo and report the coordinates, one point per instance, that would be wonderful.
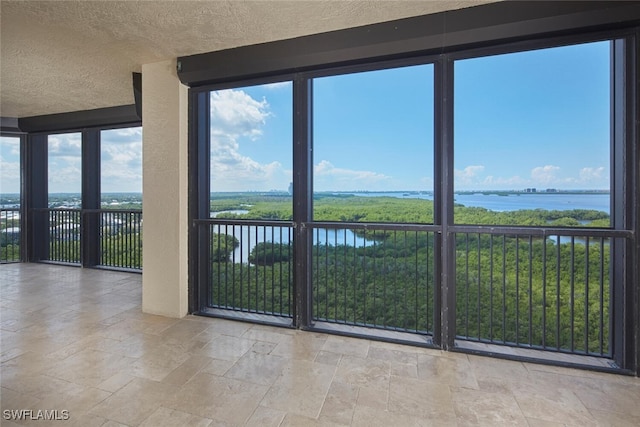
(61, 56)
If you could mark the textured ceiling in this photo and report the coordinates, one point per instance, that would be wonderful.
(61, 56)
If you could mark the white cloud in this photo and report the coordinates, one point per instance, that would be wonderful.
(545, 174)
(329, 177)
(279, 85)
(235, 115)
(9, 176)
(511, 182)
(468, 176)
(593, 174)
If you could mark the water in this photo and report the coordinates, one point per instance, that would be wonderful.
(515, 201)
(249, 236)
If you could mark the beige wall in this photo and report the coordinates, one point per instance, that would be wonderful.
(164, 120)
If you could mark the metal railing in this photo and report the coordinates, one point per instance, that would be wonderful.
(535, 288)
(64, 235)
(249, 266)
(115, 236)
(547, 289)
(121, 238)
(10, 235)
(374, 275)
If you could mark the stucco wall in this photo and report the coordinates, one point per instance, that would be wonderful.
(165, 262)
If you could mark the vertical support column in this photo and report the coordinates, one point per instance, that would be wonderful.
(37, 197)
(90, 232)
(165, 189)
(24, 211)
(199, 195)
(624, 305)
(302, 199)
(445, 313)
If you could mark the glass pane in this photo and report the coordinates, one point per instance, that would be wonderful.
(121, 168)
(65, 170)
(373, 146)
(10, 172)
(9, 199)
(532, 137)
(252, 152)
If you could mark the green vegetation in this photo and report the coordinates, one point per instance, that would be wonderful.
(528, 291)
(350, 208)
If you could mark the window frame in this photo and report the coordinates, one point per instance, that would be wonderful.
(573, 28)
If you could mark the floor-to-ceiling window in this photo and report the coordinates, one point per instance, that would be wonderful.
(64, 184)
(250, 255)
(121, 198)
(10, 199)
(478, 200)
(532, 144)
(373, 165)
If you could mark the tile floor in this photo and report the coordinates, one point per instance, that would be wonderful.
(76, 340)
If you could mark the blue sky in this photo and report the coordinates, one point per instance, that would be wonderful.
(530, 119)
(121, 162)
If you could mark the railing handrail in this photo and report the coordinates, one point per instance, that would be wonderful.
(340, 225)
(86, 210)
(246, 222)
(542, 231)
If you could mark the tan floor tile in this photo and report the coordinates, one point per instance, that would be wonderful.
(134, 402)
(218, 398)
(537, 422)
(358, 371)
(262, 347)
(186, 329)
(183, 373)
(370, 417)
(614, 419)
(373, 398)
(165, 417)
(267, 334)
(90, 367)
(14, 400)
(445, 370)
(227, 348)
(604, 396)
(347, 346)
(301, 389)
(340, 403)
(392, 355)
(77, 403)
(420, 399)
(295, 420)
(116, 382)
(111, 423)
(99, 356)
(257, 368)
(552, 404)
(301, 346)
(328, 358)
(487, 367)
(41, 386)
(473, 408)
(229, 328)
(218, 367)
(265, 417)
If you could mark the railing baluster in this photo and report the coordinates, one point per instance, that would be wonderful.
(558, 264)
(586, 296)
